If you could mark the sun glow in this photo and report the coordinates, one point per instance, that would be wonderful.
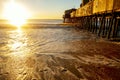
(15, 13)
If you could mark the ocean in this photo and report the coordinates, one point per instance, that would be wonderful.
(51, 50)
(40, 36)
(37, 21)
(44, 35)
(45, 21)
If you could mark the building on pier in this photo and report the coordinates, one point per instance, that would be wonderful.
(98, 16)
(67, 15)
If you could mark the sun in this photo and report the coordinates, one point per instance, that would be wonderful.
(15, 13)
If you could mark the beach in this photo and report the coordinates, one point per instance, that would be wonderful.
(57, 52)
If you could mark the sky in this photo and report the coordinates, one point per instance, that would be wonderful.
(43, 9)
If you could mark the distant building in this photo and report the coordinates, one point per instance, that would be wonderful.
(67, 13)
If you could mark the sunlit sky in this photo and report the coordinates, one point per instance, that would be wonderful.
(43, 9)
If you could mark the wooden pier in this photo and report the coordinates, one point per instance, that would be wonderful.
(101, 17)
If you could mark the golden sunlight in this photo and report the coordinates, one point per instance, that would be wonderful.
(15, 13)
(18, 46)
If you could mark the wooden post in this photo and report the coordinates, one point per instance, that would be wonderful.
(117, 28)
(96, 23)
(100, 28)
(63, 20)
(84, 24)
(106, 26)
(114, 29)
(90, 24)
(110, 27)
(103, 27)
(93, 25)
(80, 22)
(87, 23)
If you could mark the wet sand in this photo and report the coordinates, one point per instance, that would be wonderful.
(76, 56)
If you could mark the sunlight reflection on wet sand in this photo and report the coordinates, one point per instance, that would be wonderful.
(17, 63)
(18, 43)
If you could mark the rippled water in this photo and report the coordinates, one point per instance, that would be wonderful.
(27, 41)
(18, 46)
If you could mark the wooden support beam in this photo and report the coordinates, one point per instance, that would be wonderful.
(106, 26)
(100, 27)
(93, 24)
(90, 24)
(84, 22)
(110, 27)
(115, 27)
(96, 24)
(103, 27)
(80, 22)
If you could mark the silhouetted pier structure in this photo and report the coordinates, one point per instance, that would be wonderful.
(101, 17)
